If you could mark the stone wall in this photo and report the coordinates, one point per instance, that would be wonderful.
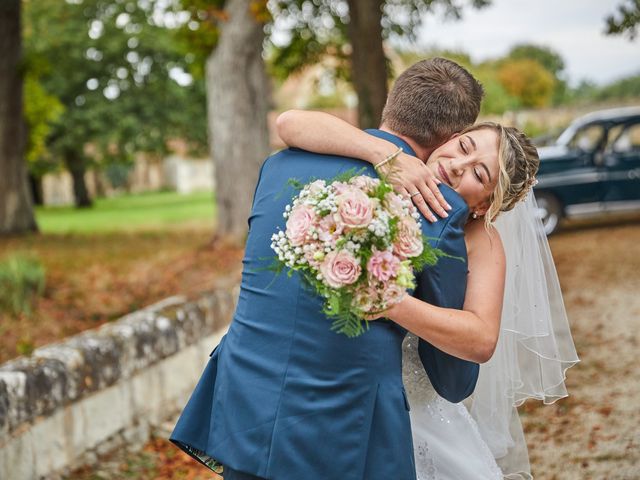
(71, 401)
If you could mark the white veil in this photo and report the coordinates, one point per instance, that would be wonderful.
(535, 347)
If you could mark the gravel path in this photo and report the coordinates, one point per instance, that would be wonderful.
(595, 432)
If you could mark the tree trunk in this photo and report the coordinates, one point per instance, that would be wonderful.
(16, 207)
(75, 164)
(238, 102)
(368, 62)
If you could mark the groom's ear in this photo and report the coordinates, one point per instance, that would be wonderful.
(453, 135)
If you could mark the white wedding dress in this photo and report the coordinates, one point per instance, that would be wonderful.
(534, 350)
(446, 440)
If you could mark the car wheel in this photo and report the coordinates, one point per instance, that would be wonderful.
(549, 211)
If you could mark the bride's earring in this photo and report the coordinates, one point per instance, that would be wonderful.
(474, 215)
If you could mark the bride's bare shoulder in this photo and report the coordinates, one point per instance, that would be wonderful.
(483, 240)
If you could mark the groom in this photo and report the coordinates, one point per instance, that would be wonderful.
(285, 398)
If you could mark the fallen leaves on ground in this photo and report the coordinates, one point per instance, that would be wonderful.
(93, 279)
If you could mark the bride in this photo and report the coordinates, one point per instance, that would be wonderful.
(509, 252)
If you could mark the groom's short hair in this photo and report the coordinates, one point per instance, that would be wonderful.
(432, 100)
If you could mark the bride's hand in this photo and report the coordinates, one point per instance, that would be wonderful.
(388, 313)
(412, 179)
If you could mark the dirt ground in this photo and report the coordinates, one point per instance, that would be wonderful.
(592, 434)
(595, 432)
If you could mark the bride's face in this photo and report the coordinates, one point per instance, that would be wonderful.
(468, 163)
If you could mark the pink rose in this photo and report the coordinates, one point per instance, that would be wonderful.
(330, 228)
(340, 187)
(383, 265)
(394, 204)
(340, 268)
(365, 183)
(355, 208)
(316, 187)
(408, 242)
(300, 221)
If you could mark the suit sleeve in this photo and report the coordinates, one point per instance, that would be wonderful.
(444, 285)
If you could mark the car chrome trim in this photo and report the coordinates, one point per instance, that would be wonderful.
(551, 180)
(586, 209)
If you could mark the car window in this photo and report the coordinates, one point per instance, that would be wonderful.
(613, 135)
(628, 140)
(588, 138)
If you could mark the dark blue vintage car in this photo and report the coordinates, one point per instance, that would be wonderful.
(593, 167)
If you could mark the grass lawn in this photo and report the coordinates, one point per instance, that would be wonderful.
(144, 211)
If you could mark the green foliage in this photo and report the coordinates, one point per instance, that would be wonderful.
(625, 22)
(545, 56)
(22, 277)
(529, 76)
(110, 64)
(199, 36)
(626, 88)
(410, 56)
(528, 81)
(323, 102)
(535, 129)
(25, 346)
(551, 60)
(41, 109)
(320, 27)
(496, 100)
(118, 173)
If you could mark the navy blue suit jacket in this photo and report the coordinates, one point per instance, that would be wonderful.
(284, 397)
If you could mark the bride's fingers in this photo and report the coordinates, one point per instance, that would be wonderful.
(434, 200)
(403, 192)
(433, 183)
(419, 201)
(374, 316)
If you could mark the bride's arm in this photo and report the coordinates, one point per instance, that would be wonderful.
(324, 133)
(471, 333)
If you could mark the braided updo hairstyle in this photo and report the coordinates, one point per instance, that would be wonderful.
(518, 160)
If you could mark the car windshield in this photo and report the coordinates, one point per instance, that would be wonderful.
(585, 139)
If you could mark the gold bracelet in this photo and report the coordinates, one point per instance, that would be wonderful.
(388, 159)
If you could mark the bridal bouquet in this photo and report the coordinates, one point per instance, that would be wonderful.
(356, 243)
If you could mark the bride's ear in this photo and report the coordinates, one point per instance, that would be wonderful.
(481, 209)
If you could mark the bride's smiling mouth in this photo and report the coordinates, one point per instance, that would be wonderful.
(443, 174)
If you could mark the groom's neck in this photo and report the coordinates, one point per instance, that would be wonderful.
(421, 152)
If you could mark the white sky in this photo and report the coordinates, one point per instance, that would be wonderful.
(573, 28)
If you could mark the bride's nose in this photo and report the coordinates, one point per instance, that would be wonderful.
(458, 166)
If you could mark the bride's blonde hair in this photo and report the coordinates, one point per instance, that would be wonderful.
(518, 160)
